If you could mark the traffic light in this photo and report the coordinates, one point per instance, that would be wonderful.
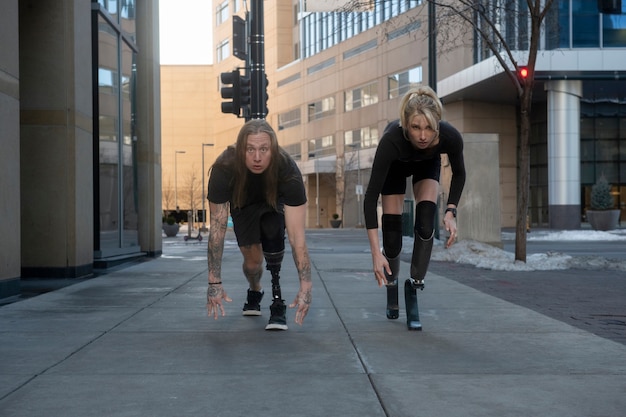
(245, 91)
(265, 95)
(230, 90)
(523, 73)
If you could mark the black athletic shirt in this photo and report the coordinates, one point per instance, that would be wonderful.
(291, 190)
(393, 146)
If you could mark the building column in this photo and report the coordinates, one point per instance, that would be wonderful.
(10, 252)
(56, 139)
(564, 153)
(149, 128)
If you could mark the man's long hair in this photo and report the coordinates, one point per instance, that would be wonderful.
(270, 175)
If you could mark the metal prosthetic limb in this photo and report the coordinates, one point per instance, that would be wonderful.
(422, 249)
(412, 312)
(273, 262)
(278, 320)
(393, 309)
(392, 246)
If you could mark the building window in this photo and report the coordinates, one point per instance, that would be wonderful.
(614, 29)
(585, 25)
(361, 96)
(321, 146)
(321, 109)
(295, 150)
(400, 83)
(365, 137)
(289, 119)
(223, 50)
(322, 30)
(221, 13)
(116, 187)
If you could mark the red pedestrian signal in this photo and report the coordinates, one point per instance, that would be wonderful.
(523, 72)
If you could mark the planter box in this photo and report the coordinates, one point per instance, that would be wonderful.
(335, 223)
(171, 230)
(603, 219)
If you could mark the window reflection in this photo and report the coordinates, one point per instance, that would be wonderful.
(117, 169)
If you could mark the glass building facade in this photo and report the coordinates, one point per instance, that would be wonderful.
(322, 30)
(571, 25)
(115, 139)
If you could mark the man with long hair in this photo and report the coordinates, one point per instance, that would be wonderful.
(262, 187)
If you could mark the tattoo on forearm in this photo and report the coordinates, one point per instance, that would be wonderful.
(303, 264)
(217, 233)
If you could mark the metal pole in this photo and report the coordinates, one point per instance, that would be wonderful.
(359, 185)
(257, 62)
(317, 193)
(204, 229)
(432, 68)
(176, 177)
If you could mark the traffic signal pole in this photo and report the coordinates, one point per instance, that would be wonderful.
(248, 91)
(258, 99)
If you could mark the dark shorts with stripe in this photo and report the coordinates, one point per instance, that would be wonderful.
(395, 183)
(247, 222)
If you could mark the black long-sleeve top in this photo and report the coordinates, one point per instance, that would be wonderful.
(394, 146)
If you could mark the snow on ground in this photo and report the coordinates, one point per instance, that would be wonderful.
(486, 256)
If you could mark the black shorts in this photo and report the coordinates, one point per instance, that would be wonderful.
(395, 183)
(247, 222)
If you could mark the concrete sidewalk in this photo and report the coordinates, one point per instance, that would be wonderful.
(137, 342)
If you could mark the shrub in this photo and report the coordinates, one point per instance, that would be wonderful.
(601, 198)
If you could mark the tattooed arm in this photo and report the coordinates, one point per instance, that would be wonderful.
(215, 249)
(294, 222)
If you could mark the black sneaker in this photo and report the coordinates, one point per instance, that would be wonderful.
(253, 305)
(278, 318)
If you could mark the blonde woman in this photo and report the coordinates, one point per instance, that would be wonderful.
(412, 147)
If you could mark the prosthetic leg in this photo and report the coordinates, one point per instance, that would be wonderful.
(273, 242)
(392, 245)
(393, 309)
(422, 249)
(278, 319)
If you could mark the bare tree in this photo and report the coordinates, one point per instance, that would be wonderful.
(486, 18)
(489, 20)
(192, 191)
(167, 194)
(344, 164)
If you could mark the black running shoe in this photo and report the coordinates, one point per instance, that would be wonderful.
(278, 316)
(253, 305)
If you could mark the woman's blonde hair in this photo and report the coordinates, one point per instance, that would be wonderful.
(421, 100)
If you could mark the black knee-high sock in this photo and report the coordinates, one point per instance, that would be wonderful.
(423, 242)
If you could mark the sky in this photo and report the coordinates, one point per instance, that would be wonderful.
(186, 32)
(486, 256)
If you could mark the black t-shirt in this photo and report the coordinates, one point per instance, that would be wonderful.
(291, 190)
(393, 146)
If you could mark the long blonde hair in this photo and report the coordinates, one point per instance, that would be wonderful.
(421, 100)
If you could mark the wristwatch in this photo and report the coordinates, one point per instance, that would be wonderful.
(451, 210)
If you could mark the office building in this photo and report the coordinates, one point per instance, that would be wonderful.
(336, 78)
(80, 128)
